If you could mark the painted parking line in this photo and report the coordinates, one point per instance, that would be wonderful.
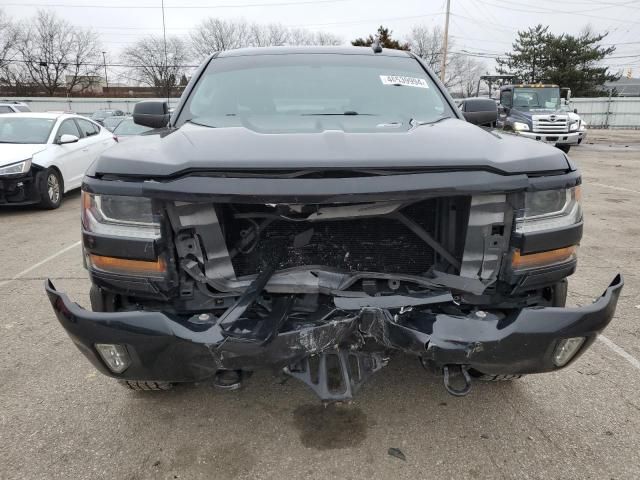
(39, 264)
(613, 187)
(620, 351)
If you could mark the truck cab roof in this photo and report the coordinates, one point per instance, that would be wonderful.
(528, 85)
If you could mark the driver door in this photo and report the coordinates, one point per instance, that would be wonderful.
(70, 155)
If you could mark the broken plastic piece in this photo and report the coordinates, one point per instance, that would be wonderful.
(336, 376)
(396, 452)
(390, 301)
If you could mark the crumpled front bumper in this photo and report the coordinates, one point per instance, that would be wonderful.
(493, 342)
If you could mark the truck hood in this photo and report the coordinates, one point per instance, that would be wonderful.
(539, 111)
(319, 143)
(16, 152)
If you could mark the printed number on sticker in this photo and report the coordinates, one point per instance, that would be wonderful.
(405, 81)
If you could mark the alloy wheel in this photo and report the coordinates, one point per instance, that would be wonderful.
(53, 188)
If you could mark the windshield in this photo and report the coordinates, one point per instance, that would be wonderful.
(127, 127)
(25, 130)
(536, 98)
(276, 87)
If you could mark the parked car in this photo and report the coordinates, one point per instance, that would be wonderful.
(44, 155)
(100, 115)
(112, 122)
(311, 210)
(128, 128)
(13, 107)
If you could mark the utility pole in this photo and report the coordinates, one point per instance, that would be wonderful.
(104, 59)
(166, 61)
(445, 43)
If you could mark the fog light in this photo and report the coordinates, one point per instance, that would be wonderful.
(115, 356)
(566, 349)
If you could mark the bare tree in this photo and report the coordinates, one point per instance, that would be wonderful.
(272, 34)
(214, 35)
(8, 40)
(428, 44)
(147, 63)
(57, 54)
(469, 70)
(300, 36)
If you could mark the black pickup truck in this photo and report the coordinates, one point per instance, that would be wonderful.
(316, 210)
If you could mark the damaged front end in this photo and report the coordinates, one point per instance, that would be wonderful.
(324, 284)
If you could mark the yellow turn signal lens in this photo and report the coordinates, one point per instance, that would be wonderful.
(541, 259)
(126, 266)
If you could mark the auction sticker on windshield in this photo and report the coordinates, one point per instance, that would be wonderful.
(401, 80)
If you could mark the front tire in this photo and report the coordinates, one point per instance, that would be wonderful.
(564, 148)
(143, 386)
(483, 377)
(50, 189)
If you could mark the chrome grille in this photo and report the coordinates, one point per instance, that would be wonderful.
(550, 124)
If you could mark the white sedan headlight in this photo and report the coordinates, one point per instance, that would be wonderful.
(520, 127)
(549, 209)
(16, 168)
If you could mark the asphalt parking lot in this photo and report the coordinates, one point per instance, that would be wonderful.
(59, 418)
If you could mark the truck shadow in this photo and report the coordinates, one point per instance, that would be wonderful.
(401, 396)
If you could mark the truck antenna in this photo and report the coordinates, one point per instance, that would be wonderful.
(377, 48)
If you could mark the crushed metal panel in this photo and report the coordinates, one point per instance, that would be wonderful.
(390, 301)
(483, 248)
(204, 217)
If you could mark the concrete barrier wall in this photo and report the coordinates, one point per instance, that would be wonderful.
(598, 112)
(82, 106)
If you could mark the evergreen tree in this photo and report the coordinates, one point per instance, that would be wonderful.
(529, 59)
(574, 62)
(384, 36)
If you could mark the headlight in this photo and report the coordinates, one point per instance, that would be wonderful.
(549, 209)
(16, 168)
(574, 126)
(520, 127)
(120, 216)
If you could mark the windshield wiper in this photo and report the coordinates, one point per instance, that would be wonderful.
(348, 113)
(417, 123)
(191, 120)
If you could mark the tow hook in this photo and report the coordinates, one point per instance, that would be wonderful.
(458, 374)
(228, 379)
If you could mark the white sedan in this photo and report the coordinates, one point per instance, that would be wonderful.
(44, 155)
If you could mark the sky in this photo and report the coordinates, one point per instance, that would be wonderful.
(479, 27)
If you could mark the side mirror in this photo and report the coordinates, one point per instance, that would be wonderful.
(480, 111)
(151, 113)
(66, 138)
